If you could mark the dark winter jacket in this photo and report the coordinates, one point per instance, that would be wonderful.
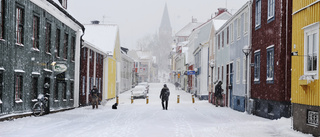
(218, 91)
(94, 93)
(165, 93)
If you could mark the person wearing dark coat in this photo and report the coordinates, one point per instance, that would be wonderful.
(218, 94)
(164, 96)
(94, 97)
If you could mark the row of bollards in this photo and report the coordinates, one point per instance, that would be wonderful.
(147, 99)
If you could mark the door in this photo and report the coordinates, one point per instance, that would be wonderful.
(1, 89)
(231, 85)
(47, 91)
(227, 85)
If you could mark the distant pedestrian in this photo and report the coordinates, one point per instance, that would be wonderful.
(164, 96)
(176, 84)
(94, 97)
(218, 94)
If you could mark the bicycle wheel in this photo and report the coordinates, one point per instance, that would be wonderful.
(37, 109)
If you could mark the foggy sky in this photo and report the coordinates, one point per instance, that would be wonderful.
(138, 18)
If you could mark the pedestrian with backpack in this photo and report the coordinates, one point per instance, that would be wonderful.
(94, 93)
(164, 96)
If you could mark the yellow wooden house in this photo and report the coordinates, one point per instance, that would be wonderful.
(106, 37)
(305, 92)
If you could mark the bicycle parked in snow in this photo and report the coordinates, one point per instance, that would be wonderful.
(42, 105)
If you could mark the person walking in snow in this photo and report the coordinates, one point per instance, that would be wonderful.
(94, 97)
(164, 96)
(218, 94)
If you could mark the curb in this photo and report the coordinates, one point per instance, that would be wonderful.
(11, 117)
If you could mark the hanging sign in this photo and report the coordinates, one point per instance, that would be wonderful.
(191, 72)
(59, 68)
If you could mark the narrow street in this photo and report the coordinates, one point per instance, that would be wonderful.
(139, 119)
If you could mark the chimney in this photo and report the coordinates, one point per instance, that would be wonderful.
(220, 10)
(95, 22)
(194, 20)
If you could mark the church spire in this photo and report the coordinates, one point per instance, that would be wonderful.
(165, 22)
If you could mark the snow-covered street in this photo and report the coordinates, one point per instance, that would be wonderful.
(139, 119)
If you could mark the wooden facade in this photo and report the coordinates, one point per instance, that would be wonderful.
(91, 72)
(46, 36)
(305, 84)
(271, 49)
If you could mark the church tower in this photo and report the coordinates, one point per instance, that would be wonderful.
(165, 40)
(165, 29)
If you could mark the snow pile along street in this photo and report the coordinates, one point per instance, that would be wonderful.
(139, 119)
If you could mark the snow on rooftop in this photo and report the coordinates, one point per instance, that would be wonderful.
(218, 23)
(186, 31)
(103, 36)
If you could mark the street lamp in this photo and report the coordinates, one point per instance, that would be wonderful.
(246, 50)
(211, 63)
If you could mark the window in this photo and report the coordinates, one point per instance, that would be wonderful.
(231, 32)
(73, 47)
(71, 89)
(57, 50)
(1, 86)
(35, 36)
(246, 22)
(222, 37)
(91, 56)
(83, 85)
(218, 41)
(84, 51)
(56, 91)
(271, 7)
(227, 35)
(313, 118)
(64, 90)
(34, 89)
(258, 13)
(257, 66)
(100, 88)
(2, 18)
(238, 71)
(311, 44)
(19, 25)
(270, 64)
(221, 73)
(65, 44)
(18, 87)
(218, 72)
(238, 28)
(48, 37)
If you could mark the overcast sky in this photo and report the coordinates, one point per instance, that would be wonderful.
(139, 18)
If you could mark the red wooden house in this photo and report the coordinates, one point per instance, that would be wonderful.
(271, 56)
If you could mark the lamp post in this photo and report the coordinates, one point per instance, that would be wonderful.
(196, 80)
(246, 50)
(211, 63)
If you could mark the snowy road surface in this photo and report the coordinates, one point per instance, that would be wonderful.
(139, 119)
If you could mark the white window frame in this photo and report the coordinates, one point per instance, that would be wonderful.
(244, 70)
(238, 71)
(258, 13)
(271, 8)
(231, 32)
(238, 28)
(270, 78)
(311, 30)
(246, 22)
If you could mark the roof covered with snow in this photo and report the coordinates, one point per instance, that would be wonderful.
(186, 31)
(103, 36)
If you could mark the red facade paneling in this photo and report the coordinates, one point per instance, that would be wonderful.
(278, 33)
